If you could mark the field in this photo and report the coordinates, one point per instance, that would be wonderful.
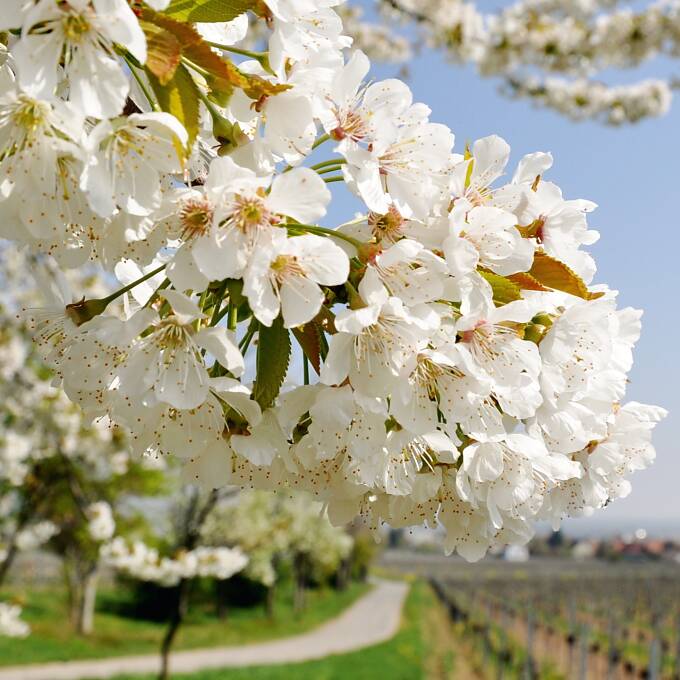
(117, 633)
(557, 619)
(423, 649)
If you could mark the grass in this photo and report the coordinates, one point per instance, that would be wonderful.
(417, 652)
(52, 638)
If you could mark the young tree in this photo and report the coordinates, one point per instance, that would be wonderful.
(187, 560)
(62, 478)
(274, 529)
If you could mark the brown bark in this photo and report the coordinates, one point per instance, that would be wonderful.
(299, 582)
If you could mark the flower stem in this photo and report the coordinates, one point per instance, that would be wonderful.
(330, 168)
(332, 161)
(245, 342)
(320, 141)
(218, 295)
(85, 310)
(322, 231)
(154, 297)
(232, 320)
(195, 67)
(262, 57)
(130, 286)
(142, 86)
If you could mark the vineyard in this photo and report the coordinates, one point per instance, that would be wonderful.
(560, 619)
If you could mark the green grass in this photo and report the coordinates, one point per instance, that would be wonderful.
(407, 656)
(52, 638)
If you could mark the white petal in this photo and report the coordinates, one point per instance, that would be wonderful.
(322, 260)
(336, 367)
(183, 272)
(183, 382)
(301, 300)
(121, 25)
(218, 342)
(300, 194)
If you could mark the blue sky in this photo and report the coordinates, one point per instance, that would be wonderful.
(633, 174)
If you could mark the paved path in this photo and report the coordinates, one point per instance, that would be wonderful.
(372, 619)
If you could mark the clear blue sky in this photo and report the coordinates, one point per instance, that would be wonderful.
(633, 174)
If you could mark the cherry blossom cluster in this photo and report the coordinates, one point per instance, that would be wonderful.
(584, 99)
(442, 356)
(11, 624)
(565, 37)
(101, 523)
(144, 563)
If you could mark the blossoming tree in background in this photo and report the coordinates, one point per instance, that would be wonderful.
(273, 529)
(221, 533)
(61, 477)
(188, 560)
(551, 52)
(440, 356)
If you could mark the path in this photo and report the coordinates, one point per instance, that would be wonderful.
(372, 619)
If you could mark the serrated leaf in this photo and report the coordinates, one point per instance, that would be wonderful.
(527, 281)
(196, 50)
(208, 11)
(179, 97)
(222, 74)
(164, 52)
(555, 274)
(273, 358)
(309, 339)
(504, 290)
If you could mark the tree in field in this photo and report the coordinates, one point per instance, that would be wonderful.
(62, 477)
(277, 528)
(181, 563)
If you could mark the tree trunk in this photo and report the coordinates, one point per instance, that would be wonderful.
(269, 601)
(177, 617)
(7, 562)
(72, 590)
(194, 520)
(342, 576)
(221, 608)
(299, 578)
(86, 606)
(81, 585)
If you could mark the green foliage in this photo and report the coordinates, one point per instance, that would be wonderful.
(404, 657)
(116, 634)
(504, 290)
(179, 96)
(273, 358)
(555, 274)
(208, 11)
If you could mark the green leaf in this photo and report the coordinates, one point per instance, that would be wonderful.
(208, 11)
(179, 96)
(504, 290)
(221, 74)
(163, 52)
(273, 358)
(555, 274)
(527, 281)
